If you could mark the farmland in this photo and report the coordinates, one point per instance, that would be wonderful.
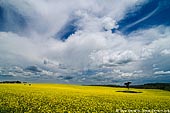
(61, 98)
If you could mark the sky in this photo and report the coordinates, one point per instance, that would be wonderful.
(85, 41)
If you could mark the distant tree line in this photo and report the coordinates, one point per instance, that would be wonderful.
(162, 86)
(11, 82)
(15, 82)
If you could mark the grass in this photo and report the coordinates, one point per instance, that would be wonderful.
(53, 98)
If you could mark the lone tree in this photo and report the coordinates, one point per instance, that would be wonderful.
(127, 84)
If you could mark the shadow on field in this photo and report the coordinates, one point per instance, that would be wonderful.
(129, 91)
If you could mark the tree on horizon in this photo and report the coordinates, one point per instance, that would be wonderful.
(127, 84)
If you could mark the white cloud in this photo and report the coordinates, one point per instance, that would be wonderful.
(165, 52)
(85, 50)
(89, 48)
(16, 49)
(109, 23)
(162, 73)
(113, 58)
(46, 18)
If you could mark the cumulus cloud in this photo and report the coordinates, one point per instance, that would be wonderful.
(45, 18)
(113, 58)
(109, 23)
(92, 54)
(165, 52)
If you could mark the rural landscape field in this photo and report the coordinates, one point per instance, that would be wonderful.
(62, 98)
(84, 56)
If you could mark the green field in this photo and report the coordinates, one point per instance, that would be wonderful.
(52, 98)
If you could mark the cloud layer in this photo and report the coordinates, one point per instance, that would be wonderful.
(93, 54)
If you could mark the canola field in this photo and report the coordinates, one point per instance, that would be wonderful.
(60, 98)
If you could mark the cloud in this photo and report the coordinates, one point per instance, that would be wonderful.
(113, 58)
(85, 50)
(46, 18)
(162, 73)
(17, 49)
(143, 19)
(92, 54)
(109, 23)
(33, 69)
(165, 52)
(6, 76)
